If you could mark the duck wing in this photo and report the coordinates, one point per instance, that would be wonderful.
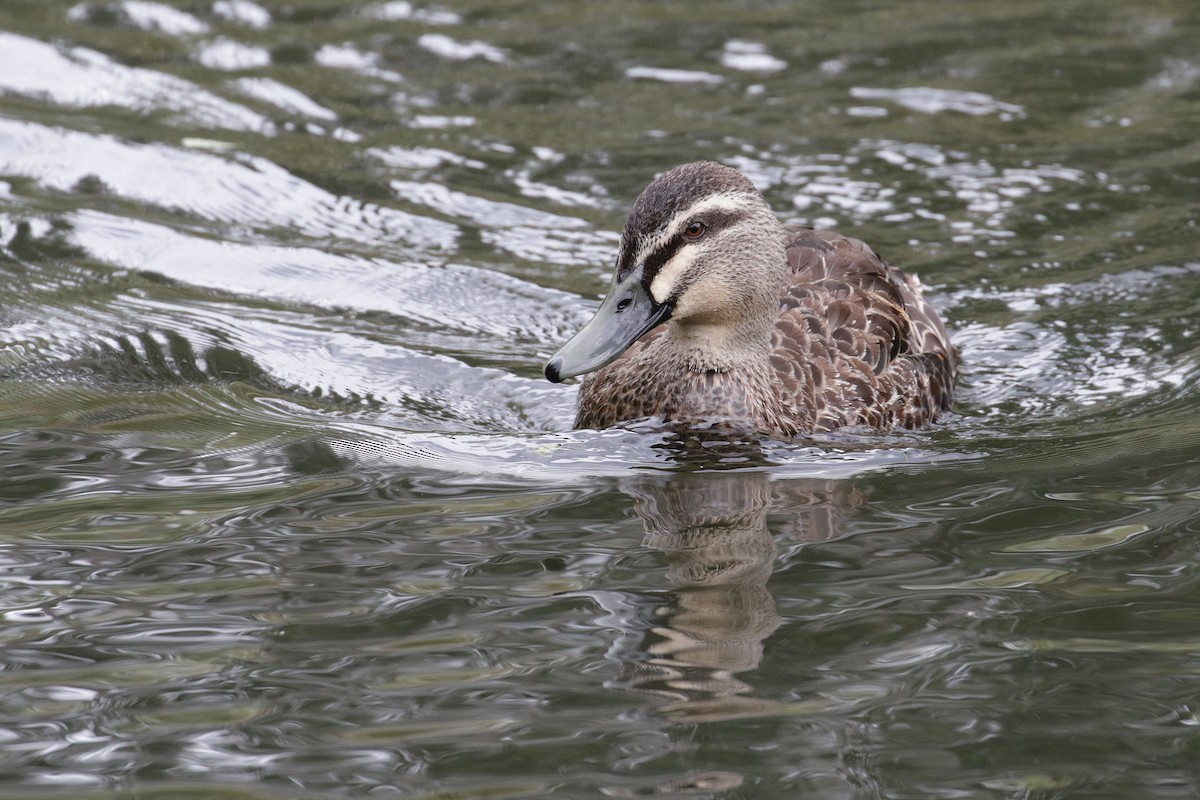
(855, 342)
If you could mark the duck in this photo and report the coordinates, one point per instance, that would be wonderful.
(720, 314)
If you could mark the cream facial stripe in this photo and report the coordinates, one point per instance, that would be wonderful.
(663, 285)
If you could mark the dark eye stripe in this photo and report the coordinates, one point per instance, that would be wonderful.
(713, 220)
(655, 261)
(716, 220)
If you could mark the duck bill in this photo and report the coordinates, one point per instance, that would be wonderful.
(628, 312)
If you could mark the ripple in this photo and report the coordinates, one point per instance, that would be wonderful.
(934, 101)
(567, 457)
(284, 97)
(749, 57)
(243, 12)
(674, 75)
(82, 78)
(522, 178)
(245, 191)
(145, 15)
(403, 10)
(226, 54)
(1046, 367)
(454, 50)
(481, 211)
(988, 195)
(421, 158)
(439, 121)
(526, 232)
(448, 295)
(1079, 542)
(347, 56)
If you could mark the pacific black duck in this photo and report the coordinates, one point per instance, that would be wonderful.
(718, 313)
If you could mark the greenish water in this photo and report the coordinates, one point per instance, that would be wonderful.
(287, 510)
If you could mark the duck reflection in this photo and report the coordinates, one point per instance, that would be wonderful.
(713, 529)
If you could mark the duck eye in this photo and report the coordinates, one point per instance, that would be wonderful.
(695, 229)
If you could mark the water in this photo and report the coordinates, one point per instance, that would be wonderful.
(288, 510)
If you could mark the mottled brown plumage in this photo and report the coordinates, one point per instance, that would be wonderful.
(847, 340)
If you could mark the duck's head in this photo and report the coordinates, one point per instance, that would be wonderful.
(701, 247)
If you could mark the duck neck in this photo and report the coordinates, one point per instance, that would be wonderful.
(726, 322)
(720, 347)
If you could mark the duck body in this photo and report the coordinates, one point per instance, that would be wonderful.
(720, 314)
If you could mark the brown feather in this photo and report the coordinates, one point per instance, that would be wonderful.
(854, 343)
(783, 331)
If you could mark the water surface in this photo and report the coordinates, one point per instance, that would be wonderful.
(286, 508)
